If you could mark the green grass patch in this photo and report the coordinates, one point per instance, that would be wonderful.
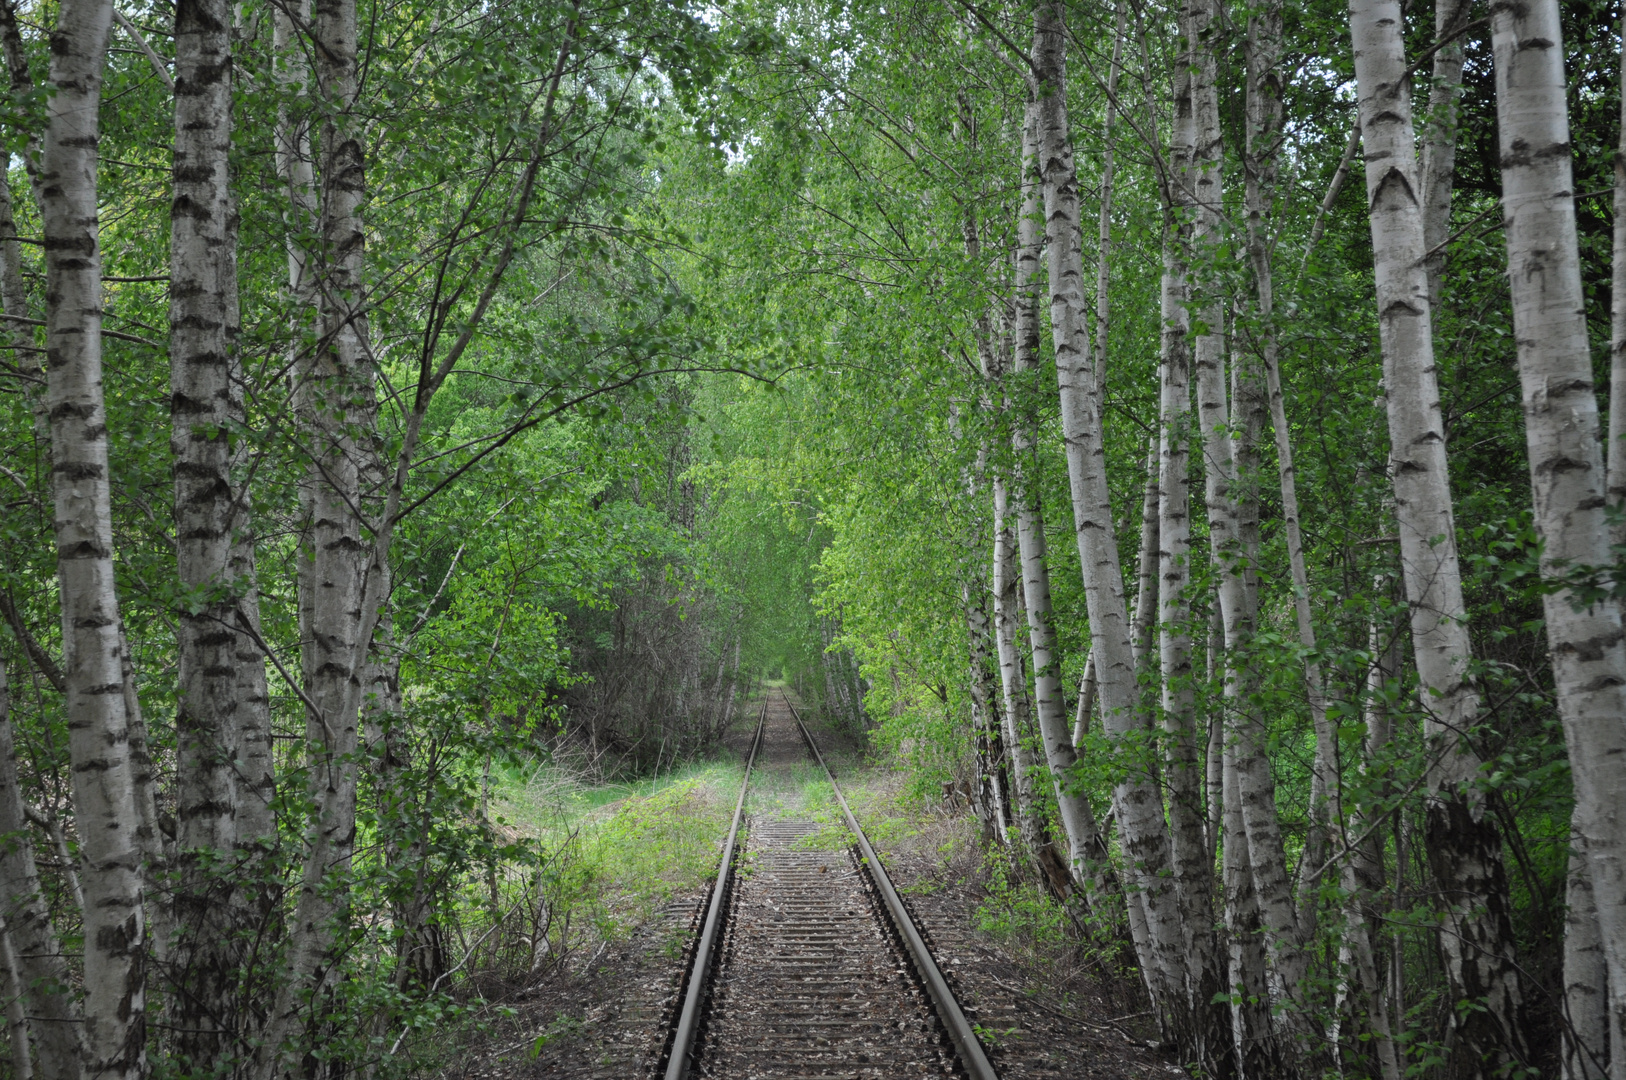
(628, 848)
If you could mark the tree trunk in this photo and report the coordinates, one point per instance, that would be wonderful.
(991, 800)
(103, 779)
(1256, 1049)
(341, 398)
(1013, 685)
(1440, 137)
(41, 966)
(1182, 763)
(1147, 563)
(1567, 478)
(1087, 851)
(1591, 1051)
(1259, 162)
(1616, 452)
(1136, 798)
(1362, 882)
(1463, 844)
(22, 1060)
(1103, 241)
(201, 418)
(1230, 471)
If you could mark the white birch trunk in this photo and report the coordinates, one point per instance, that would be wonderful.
(103, 779)
(1013, 680)
(1230, 469)
(1591, 1051)
(1264, 120)
(22, 1059)
(1594, 1044)
(1137, 799)
(1567, 478)
(1087, 853)
(992, 798)
(1464, 847)
(1256, 1049)
(1362, 881)
(1103, 241)
(1183, 763)
(335, 578)
(1147, 563)
(41, 966)
(1616, 451)
(201, 414)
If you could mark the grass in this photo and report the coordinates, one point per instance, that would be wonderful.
(631, 847)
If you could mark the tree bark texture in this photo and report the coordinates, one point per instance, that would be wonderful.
(98, 725)
(340, 389)
(1193, 868)
(1254, 1045)
(1440, 136)
(1136, 798)
(201, 415)
(1086, 850)
(1463, 844)
(42, 968)
(1567, 477)
(1615, 455)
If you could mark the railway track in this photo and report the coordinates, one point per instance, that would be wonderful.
(808, 965)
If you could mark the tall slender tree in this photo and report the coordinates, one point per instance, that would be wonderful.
(1567, 478)
(1464, 846)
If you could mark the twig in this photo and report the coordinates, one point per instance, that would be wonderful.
(1108, 1025)
(157, 61)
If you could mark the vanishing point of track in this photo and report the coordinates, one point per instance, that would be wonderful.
(808, 965)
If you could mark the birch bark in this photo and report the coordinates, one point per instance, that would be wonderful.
(1567, 478)
(103, 779)
(41, 966)
(1013, 685)
(1464, 846)
(1259, 162)
(22, 1059)
(1087, 852)
(991, 798)
(1616, 452)
(1593, 1042)
(200, 440)
(1257, 1053)
(1230, 471)
(1136, 798)
(1362, 880)
(993, 792)
(334, 579)
(1193, 869)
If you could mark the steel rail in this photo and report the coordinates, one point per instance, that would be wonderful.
(971, 1054)
(694, 998)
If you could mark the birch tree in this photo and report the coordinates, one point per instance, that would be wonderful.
(1087, 852)
(1136, 799)
(103, 779)
(340, 392)
(201, 258)
(42, 968)
(1464, 846)
(1567, 478)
